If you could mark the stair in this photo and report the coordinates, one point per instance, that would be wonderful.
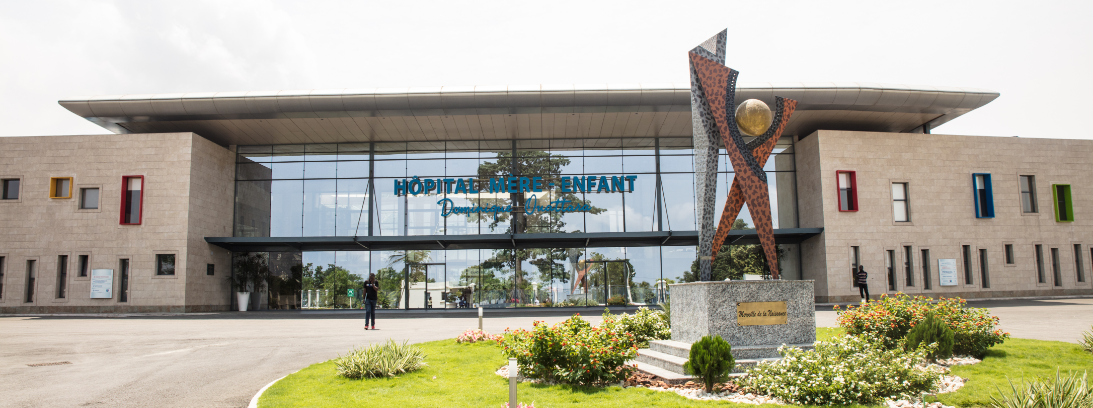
(670, 355)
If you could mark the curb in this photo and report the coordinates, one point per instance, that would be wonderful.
(254, 400)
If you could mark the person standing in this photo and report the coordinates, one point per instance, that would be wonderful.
(370, 297)
(862, 281)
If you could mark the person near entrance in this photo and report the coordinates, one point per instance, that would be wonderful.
(862, 281)
(370, 298)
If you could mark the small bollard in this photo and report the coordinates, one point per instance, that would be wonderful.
(480, 318)
(513, 373)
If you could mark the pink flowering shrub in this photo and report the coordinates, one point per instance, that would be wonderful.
(891, 317)
(475, 335)
(520, 405)
(571, 352)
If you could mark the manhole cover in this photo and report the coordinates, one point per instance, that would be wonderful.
(48, 364)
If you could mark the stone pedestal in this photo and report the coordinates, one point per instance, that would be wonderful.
(714, 308)
(710, 308)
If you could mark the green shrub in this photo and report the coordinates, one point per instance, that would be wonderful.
(931, 330)
(846, 370)
(617, 300)
(1069, 392)
(380, 360)
(667, 307)
(891, 317)
(570, 352)
(710, 360)
(1087, 340)
(645, 324)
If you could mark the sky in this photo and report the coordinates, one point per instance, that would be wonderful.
(1038, 55)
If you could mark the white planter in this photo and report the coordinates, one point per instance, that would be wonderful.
(242, 299)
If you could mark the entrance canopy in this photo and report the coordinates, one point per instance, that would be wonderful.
(497, 241)
(508, 112)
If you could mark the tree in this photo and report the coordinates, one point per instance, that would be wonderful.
(733, 261)
(528, 163)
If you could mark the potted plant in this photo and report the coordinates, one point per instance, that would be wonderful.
(251, 273)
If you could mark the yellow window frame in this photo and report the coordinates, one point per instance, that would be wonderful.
(53, 187)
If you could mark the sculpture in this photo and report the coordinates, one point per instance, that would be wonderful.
(715, 122)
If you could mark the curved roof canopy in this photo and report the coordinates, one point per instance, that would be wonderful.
(508, 112)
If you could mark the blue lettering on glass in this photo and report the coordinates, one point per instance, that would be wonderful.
(511, 184)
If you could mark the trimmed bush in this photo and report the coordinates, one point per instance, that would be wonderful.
(931, 330)
(380, 360)
(571, 352)
(846, 370)
(710, 360)
(645, 324)
(891, 317)
(1069, 392)
(617, 300)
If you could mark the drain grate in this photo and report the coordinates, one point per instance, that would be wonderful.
(48, 364)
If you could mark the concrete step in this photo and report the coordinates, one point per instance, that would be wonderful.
(671, 347)
(670, 377)
(662, 360)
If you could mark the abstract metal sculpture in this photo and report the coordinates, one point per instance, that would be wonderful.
(716, 123)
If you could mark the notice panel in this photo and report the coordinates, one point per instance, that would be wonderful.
(946, 270)
(760, 313)
(102, 283)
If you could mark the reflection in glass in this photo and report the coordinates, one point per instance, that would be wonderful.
(679, 201)
(425, 168)
(390, 168)
(321, 152)
(315, 170)
(286, 208)
(673, 164)
(319, 202)
(610, 216)
(639, 164)
(352, 207)
(641, 207)
(603, 165)
(283, 171)
(352, 169)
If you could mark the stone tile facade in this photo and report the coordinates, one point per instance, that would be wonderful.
(187, 196)
(938, 170)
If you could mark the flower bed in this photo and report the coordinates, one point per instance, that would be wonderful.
(570, 352)
(476, 335)
(891, 317)
(846, 370)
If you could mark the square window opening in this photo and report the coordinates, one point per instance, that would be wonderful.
(89, 198)
(11, 189)
(165, 264)
(60, 187)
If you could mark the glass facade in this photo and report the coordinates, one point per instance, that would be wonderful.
(349, 190)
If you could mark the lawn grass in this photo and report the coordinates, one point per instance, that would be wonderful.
(464, 377)
(1018, 360)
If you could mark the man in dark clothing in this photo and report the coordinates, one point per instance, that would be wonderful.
(370, 298)
(862, 281)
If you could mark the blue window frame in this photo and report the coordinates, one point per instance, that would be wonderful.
(984, 197)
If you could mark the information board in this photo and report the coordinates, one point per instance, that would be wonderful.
(760, 313)
(946, 270)
(102, 283)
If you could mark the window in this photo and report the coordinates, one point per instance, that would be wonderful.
(84, 266)
(132, 188)
(1055, 272)
(926, 283)
(901, 206)
(165, 264)
(890, 263)
(908, 269)
(89, 198)
(1078, 266)
(855, 260)
(62, 275)
(966, 254)
(11, 189)
(1028, 194)
(210, 269)
(984, 271)
(60, 187)
(1, 277)
(848, 190)
(984, 198)
(1009, 254)
(30, 282)
(1060, 195)
(1040, 264)
(123, 284)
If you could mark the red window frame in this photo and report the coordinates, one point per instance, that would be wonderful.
(853, 190)
(140, 207)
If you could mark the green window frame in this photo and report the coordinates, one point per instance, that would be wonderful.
(1061, 200)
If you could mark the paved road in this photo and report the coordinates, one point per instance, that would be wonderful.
(221, 360)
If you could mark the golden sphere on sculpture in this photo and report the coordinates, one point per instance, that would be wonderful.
(753, 117)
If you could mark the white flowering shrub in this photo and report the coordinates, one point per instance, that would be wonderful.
(846, 370)
(645, 324)
(476, 335)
